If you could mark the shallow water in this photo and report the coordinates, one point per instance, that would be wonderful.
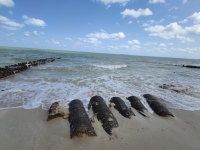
(83, 75)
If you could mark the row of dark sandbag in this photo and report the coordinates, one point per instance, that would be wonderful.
(16, 68)
(80, 123)
(191, 66)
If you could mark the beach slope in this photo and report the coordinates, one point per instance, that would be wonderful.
(28, 130)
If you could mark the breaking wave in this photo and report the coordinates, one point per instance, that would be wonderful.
(111, 66)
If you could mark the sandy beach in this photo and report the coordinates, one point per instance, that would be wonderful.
(23, 129)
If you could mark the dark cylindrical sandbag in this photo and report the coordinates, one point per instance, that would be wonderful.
(79, 121)
(157, 107)
(136, 103)
(121, 107)
(104, 114)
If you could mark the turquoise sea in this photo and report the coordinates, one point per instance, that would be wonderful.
(79, 75)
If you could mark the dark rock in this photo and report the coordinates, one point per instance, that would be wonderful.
(166, 86)
(79, 121)
(103, 113)
(173, 88)
(56, 111)
(121, 107)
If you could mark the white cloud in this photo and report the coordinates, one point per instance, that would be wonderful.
(130, 22)
(8, 27)
(7, 3)
(161, 20)
(102, 30)
(195, 17)
(156, 1)
(173, 30)
(93, 41)
(145, 24)
(9, 24)
(156, 28)
(167, 32)
(173, 17)
(170, 44)
(124, 4)
(108, 2)
(136, 13)
(133, 42)
(36, 33)
(162, 45)
(94, 37)
(184, 1)
(10, 12)
(183, 21)
(191, 50)
(118, 47)
(69, 39)
(27, 33)
(193, 29)
(135, 47)
(173, 8)
(108, 6)
(150, 22)
(185, 39)
(104, 35)
(126, 47)
(54, 42)
(123, 46)
(90, 40)
(33, 21)
(174, 27)
(151, 43)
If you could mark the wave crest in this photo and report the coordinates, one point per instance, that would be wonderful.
(111, 66)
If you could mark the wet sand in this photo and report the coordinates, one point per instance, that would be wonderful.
(28, 130)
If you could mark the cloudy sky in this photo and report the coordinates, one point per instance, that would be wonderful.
(167, 28)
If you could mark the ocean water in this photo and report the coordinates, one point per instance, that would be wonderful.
(83, 75)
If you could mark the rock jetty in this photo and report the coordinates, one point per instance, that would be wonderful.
(16, 68)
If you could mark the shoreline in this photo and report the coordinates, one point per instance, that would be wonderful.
(27, 129)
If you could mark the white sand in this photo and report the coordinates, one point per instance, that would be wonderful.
(28, 130)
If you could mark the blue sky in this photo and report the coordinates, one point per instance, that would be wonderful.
(166, 28)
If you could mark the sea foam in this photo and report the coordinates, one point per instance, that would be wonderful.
(111, 66)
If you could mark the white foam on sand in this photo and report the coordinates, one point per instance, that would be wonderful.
(35, 92)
